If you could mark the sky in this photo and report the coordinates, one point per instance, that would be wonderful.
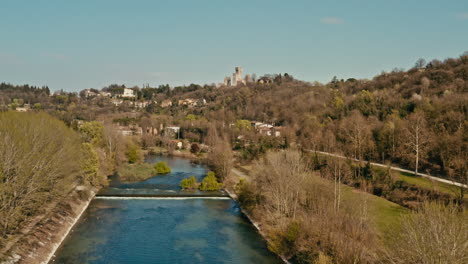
(74, 45)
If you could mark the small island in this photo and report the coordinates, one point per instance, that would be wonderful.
(133, 172)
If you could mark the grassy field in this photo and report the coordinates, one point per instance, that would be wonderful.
(423, 182)
(384, 214)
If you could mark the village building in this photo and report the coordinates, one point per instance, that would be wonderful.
(21, 109)
(141, 104)
(116, 102)
(188, 102)
(266, 129)
(172, 131)
(128, 93)
(89, 93)
(265, 80)
(166, 103)
(130, 130)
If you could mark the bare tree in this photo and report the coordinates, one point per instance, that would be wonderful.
(40, 160)
(280, 178)
(420, 63)
(220, 158)
(433, 234)
(416, 137)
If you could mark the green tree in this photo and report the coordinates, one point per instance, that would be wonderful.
(93, 132)
(210, 183)
(243, 125)
(90, 164)
(162, 168)
(191, 117)
(133, 153)
(189, 183)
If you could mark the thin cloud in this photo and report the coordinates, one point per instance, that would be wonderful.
(462, 16)
(332, 20)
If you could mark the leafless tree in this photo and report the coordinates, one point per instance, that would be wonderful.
(416, 137)
(433, 234)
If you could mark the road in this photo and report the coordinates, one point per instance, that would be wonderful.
(395, 169)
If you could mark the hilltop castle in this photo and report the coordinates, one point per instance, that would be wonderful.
(237, 78)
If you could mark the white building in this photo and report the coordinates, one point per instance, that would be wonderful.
(128, 93)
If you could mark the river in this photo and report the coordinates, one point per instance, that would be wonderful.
(163, 230)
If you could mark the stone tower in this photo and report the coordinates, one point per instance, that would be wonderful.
(237, 77)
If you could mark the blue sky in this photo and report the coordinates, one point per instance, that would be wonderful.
(73, 45)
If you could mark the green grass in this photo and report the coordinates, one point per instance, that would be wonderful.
(429, 184)
(136, 172)
(422, 182)
(384, 214)
(418, 181)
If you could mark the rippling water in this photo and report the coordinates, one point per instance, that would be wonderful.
(164, 230)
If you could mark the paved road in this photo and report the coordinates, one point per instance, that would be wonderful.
(396, 169)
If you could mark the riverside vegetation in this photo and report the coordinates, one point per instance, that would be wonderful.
(310, 217)
(314, 208)
(209, 183)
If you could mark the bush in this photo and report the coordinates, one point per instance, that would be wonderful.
(162, 168)
(246, 194)
(194, 148)
(189, 183)
(210, 183)
(283, 242)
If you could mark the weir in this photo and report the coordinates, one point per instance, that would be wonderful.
(162, 197)
(154, 221)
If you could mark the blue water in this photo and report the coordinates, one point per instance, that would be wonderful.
(167, 184)
(164, 230)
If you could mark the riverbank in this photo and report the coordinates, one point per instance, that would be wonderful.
(256, 224)
(175, 153)
(39, 243)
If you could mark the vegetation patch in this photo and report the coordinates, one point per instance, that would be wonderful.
(162, 168)
(210, 183)
(136, 172)
(189, 183)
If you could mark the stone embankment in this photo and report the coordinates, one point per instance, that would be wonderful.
(39, 243)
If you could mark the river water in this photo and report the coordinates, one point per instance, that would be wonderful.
(163, 230)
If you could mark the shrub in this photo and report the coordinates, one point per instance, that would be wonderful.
(189, 183)
(162, 168)
(283, 242)
(210, 183)
(246, 193)
(194, 148)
